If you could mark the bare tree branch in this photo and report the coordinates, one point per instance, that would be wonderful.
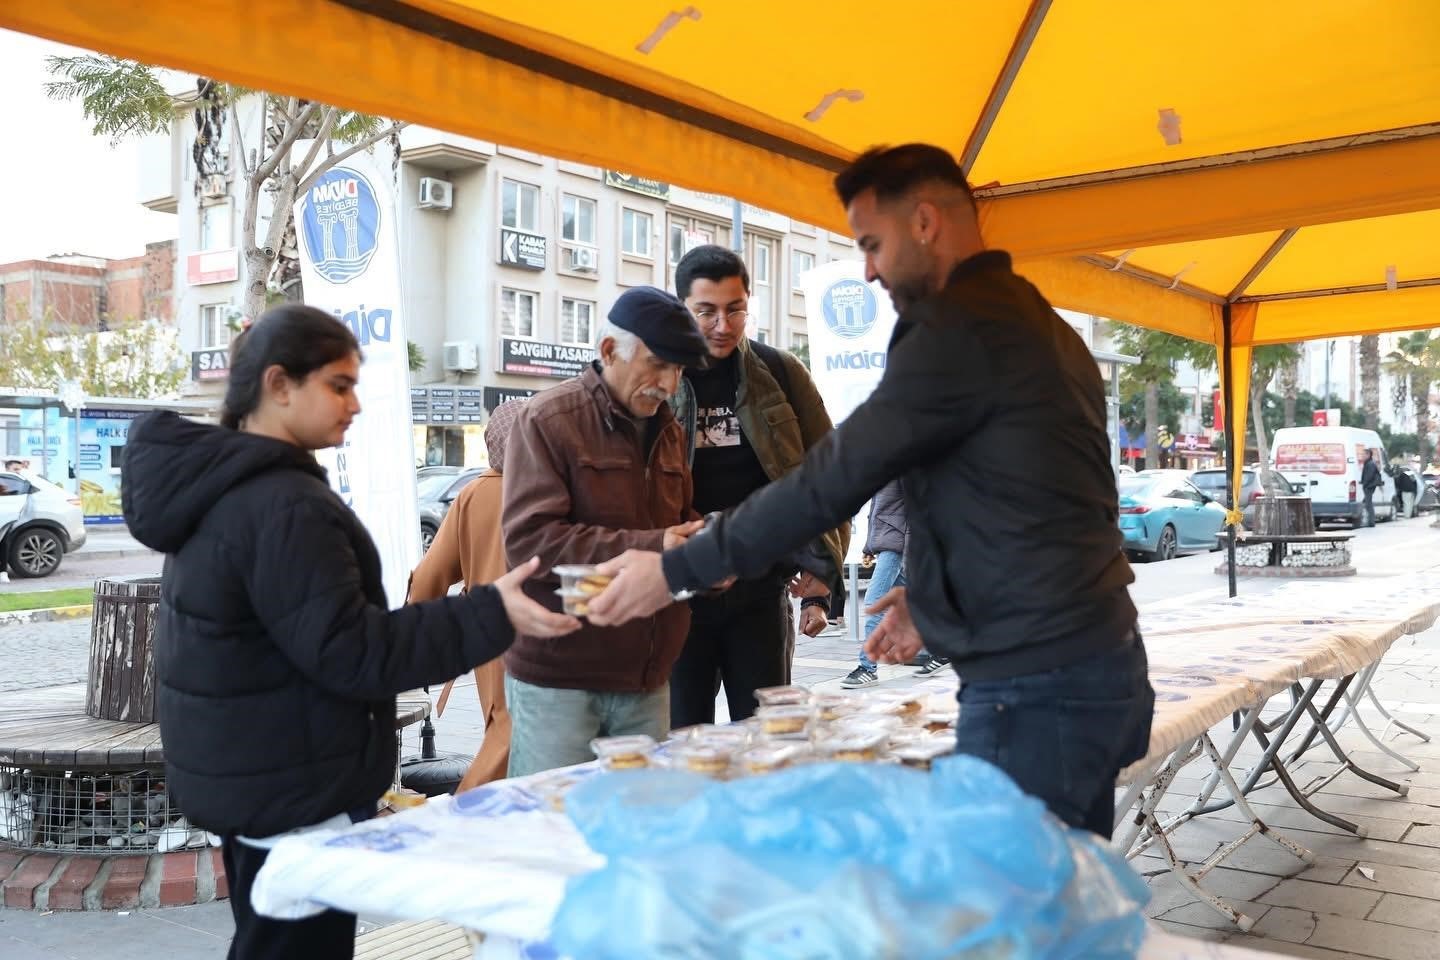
(330, 162)
(321, 138)
(246, 166)
(292, 133)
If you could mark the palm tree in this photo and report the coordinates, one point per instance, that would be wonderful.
(1158, 353)
(1415, 365)
(1290, 386)
(1265, 362)
(1370, 380)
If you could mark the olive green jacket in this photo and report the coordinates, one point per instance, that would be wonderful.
(780, 430)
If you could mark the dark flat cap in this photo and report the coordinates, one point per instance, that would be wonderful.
(662, 323)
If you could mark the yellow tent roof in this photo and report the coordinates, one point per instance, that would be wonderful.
(1250, 150)
(1234, 171)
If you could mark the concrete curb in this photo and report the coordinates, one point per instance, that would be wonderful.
(45, 615)
(119, 553)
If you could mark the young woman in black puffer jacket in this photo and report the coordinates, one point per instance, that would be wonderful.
(277, 656)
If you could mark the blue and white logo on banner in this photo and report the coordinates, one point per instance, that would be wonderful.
(849, 308)
(340, 224)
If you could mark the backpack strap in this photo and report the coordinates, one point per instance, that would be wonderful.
(775, 363)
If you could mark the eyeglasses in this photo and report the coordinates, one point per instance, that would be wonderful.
(710, 316)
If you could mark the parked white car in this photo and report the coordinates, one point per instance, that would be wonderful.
(40, 523)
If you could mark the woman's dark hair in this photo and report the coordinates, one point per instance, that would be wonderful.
(298, 338)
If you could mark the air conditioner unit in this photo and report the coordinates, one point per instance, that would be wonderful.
(436, 194)
(462, 356)
(214, 186)
(584, 259)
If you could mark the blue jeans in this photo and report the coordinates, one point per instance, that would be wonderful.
(552, 727)
(1064, 735)
(885, 575)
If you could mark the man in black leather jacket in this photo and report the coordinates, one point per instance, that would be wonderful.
(1020, 579)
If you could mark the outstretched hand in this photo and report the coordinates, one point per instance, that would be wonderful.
(895, 640)
(527, 616)
(638, 589)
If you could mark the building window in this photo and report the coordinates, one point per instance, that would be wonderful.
(215, 227)
(686, 234)
(800, 262)
(635, 230)
(215, 326)
(799, 342)
(577, 219)
(520, 206)
(762, 282)
(517, 313)
(761, 336)
(577, 322)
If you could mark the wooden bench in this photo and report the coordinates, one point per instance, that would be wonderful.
(49, 727)
(417, 940)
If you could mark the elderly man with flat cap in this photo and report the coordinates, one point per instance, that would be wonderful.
(596, 466)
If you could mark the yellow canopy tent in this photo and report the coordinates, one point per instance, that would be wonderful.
(1233, 171)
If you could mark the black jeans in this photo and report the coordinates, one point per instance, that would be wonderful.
(1369, 506)
(1064, 734)
(743, 638)
(329, 936)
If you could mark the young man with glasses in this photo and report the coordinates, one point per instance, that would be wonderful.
(748, 418)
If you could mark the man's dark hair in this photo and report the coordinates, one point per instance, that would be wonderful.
(894, 171)
(709, 262)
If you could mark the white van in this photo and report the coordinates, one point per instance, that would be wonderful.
(1327, 461)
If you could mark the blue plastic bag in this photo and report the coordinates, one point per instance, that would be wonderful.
(841, 862)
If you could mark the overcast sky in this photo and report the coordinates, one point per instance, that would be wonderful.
(63, 190)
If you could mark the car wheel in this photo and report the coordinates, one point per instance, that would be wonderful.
(427, 537)
(1167, 547)
(35, 553)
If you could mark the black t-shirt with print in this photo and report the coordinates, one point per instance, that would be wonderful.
(726, 469)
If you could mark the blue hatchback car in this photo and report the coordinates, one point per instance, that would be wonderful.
(1162, 514)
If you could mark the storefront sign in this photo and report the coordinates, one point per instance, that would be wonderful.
(536, 359)
(210, 365)
(723, 208)
(468, 405)
(523, 250)
(640, 185)
(444, 405)
(494, 396)
(212, 266)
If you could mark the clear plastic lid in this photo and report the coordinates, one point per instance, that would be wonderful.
(620, 752)
(575, 570)
(783, 719)
(923, 751)
(701, 757)
(782, 696)
(769, 757)
(832, 706)
(852, 746)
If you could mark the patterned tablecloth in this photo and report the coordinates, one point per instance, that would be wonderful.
(498, 861)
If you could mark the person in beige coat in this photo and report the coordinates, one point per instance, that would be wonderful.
(469, 549)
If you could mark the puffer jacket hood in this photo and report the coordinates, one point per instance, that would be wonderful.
(175, 471)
